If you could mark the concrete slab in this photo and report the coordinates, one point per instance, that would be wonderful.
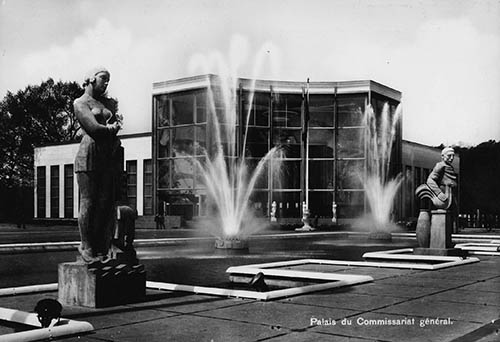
(287, 315)
(428, 307)
(452, 273)
(189, 328)
(397, 333)
(484, 266)
(417, 281)
(394, 290)
(331, 299)
(468, 296)
(309, 336)
(487, 286)
(378, 273)
(188, 303)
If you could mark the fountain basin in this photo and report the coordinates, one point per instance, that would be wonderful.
(231, 244)
(380, 236)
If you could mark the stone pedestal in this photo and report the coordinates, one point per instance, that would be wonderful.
(440, 236)
(101, 285)
(440, 229)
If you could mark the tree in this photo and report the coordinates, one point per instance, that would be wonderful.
(480, 183)
(37, 115)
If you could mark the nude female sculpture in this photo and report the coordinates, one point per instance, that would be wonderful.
(97, 166)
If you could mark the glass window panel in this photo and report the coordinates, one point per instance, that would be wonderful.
(257, 142)
(40, 191)
(229, 139)
(321, 111)
(320, 203)
(321, 174)
(350, 174)
(162, 110)
(248, 108)
(321, 143)
(220, 108)
(201, 107)
(148, 187)
(68, 190)
(201, 140)
(54, 191)
(131, 169)
(350, 204)
(287, 110)
(163, 143)
(289, 177)
(350, 110)
(289, 139)
(199, 164)
(350, 143)
(262, 180)
(417, 177)
(287, 203)
(164, 173)
(183, 173)
(258, 202)
(183, 109)
(183, 139)
(261, 108)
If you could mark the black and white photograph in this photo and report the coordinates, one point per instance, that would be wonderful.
(235, 170)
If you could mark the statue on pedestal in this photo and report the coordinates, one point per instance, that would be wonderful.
(98, 166)
(434, 224)
(107, 227)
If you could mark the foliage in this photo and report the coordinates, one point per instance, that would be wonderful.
(479, 177)
(38, 115)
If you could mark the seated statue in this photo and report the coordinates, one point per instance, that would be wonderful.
(123, 238)
(441, 181)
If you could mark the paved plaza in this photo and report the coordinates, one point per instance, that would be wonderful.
(460, 303)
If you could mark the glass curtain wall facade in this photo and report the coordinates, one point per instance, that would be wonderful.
(336, 134)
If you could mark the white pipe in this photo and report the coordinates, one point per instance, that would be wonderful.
(12, 291)
(62, 328)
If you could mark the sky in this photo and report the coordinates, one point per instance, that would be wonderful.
(443, 55)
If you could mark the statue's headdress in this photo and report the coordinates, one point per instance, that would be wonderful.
(90, 75)
(446, 150)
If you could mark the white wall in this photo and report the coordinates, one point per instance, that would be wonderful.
(136, 148)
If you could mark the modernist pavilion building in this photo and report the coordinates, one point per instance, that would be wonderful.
(162, 177)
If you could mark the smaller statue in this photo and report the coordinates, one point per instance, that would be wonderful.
(441, 181)
(273, 211)
(334, 213)
(123, 238)
(305, 219)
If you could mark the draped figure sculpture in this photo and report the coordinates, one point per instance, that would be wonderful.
(98, 166)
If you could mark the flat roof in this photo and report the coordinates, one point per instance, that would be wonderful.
(323, 87)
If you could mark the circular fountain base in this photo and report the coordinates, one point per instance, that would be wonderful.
(231, 246)
(380, 236)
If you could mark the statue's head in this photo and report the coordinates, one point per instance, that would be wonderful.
(99, 78)
(448, 154)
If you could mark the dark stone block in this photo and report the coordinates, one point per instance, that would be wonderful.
(101, 284)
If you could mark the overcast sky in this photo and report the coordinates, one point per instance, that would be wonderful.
(443, 55)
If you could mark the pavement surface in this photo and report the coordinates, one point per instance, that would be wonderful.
(460, 303)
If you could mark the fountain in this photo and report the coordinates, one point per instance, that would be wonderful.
(225, 174)
(380, 189)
